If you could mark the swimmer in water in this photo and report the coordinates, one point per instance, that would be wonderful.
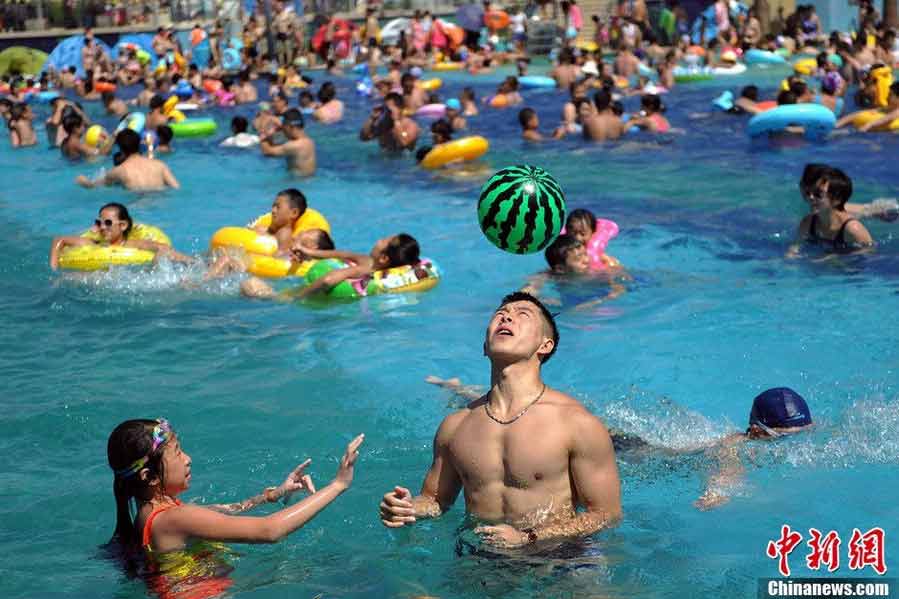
(21, 127)
(239, 136)
(299, 149)
(889, 114)
(530, 124)
(389, 252)
(600, 121)
(527, 456)
(454, 115)
(650, 116)
(394, 131)
(829, 224)
(775, 413)
(61, 109)
(156, 117)
(135, 172)
(330, 109)
(164, 135)
(114, 225)
(151, 469)
(73, 148)
(469, 102)
(884, 209)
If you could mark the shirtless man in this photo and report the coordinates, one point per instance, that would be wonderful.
(600, 123)
(394, 131)
(246, 92)
(135, 172)
(73, 148)
(299, 149)
(527, 456)
(61, 109)
(156, 118)
(113, 105)
(566, 72)
(626, 64)
(413, 96)
(330, 109)
(21, 128)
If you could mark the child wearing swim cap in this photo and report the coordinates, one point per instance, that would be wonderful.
(151, 470)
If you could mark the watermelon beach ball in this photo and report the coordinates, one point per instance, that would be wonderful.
(521, 209)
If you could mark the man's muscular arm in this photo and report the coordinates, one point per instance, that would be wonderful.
(439, 490)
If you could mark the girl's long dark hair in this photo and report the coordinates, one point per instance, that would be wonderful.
(129, 442)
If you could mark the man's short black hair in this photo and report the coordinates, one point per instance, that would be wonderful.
(523, 296)
(156, 102)
(239, 124)
(128, 142)
(294, 118)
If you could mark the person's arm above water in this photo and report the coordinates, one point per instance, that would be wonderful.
(334, 278)
(168, 178)
(794, 250)
(886, 119)
(194, 521)
(296, 481)
(308, 252)
(847, 120)
(469, 392)
(858, 237)
(270, 149)
(728, 473)
(60, 243)
(439, 490)
(886, 209)
(594, 476)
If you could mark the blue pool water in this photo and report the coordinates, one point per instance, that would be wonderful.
(713, 316)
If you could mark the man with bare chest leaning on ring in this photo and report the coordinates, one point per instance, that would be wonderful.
(527, 456)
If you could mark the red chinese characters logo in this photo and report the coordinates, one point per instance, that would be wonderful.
(825, 550)
(864, 549)
(782, 548)
(867, 550)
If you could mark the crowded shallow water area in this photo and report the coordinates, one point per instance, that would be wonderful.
(712, 314)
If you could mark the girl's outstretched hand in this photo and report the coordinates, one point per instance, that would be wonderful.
(348, 462)
(298, 480)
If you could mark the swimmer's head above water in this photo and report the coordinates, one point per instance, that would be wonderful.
(776, 412)
(521, 329)
(398, 250)
(289, 205)
(147, 463)
(113, 222)
(567, 255)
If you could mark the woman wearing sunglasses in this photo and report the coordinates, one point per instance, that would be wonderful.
(114, 226)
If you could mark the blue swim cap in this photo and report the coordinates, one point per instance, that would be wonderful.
(454, 104)
(780, 407)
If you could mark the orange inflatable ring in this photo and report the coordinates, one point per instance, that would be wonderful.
(104, 86)
(766, 105)
(212, 85)
(696, 50)
(499, 101)
(496, 20)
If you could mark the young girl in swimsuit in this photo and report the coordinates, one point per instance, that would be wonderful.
(389, 252)
(151, 470)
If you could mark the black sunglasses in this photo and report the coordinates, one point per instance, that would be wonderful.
(100, 223)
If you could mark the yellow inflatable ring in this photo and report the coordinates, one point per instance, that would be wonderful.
(883, 77)
(430, 85)
(806, 66)
(405, 279)
(448, 66)
(869, 116)
(101, 257)
(467, 148)
(260, 249)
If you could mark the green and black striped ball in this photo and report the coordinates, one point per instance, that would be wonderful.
(521, 209)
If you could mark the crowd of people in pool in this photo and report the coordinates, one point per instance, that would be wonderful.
(549, 471)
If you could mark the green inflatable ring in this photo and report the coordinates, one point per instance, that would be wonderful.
(343, 290)
(194, 128)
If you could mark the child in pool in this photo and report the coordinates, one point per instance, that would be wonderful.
(240, 138)
(530, 124)
(73, 148)
(886, 209)
(21, 129)
(506, 94)
(469, 105)
(114, 225)
(151, 469)
(581, 224)
(650, 116)
(389, 252)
